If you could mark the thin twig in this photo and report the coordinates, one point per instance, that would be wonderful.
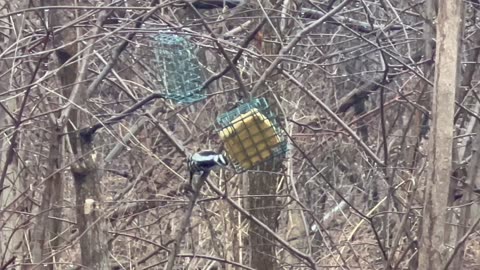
(230, 63)
(91, 130)
(7, 263)
(13, 140)
(297, 253)
(461, 242)
(196, 188)
(235, 59)
(284, 51)
(115, 56)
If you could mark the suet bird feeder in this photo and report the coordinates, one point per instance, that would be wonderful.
(252, 135)
(178, 73)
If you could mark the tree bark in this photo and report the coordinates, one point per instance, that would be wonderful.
(465, 210)
(433, 248)
(87, 178)
(91, 223)
(46, 231)
(262, 187)
(11, 186)
(419, 129)
(90, 220)
(262, 244)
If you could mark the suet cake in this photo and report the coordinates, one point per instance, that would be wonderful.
(250, 138)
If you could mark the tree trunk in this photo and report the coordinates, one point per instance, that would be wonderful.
(297, 227)
(420, 129)
(264, 206)
(46, 230)
(11, 185)
(90, 220)
(11, 235)
(91, 223)
(465, 202)
(87, 178)
(433, 249)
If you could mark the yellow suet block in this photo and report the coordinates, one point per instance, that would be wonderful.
(250, 139)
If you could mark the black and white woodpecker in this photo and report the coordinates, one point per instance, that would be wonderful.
(205, 161)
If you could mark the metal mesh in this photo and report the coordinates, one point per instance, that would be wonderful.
(252, 135)
(177, 71)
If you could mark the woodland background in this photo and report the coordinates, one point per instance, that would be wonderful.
(92, 167)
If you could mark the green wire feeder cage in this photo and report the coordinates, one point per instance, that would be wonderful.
(252, 135)
(177, 70)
